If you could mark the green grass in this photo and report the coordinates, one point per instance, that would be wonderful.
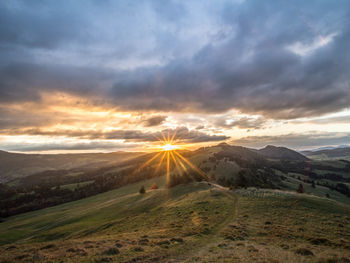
(73, 186)
(196, 222)
(292, 183)
(172, 219)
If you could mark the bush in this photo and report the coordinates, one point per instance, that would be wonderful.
(304, 252)
(300, 189)
(111, 251)
(142, 190)
(154, 186)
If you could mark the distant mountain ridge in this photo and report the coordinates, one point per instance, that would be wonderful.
(282, 153)
(341, 152)
(16, 165)
(13, 165)
(327, 148)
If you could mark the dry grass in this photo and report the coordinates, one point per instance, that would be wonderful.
(191, 223)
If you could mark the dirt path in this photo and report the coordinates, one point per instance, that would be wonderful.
(214, 238)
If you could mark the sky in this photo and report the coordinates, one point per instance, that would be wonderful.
(92, 76)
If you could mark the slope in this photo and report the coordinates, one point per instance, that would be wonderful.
(120, 225)
(196, 222)
(281, 153)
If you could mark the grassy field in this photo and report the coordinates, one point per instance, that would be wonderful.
(196, 222)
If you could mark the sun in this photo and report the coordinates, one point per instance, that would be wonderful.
(168, 156)
(169, 147)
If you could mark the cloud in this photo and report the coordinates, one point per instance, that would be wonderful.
(241, 123)
(179, 57)
(326, 120)
(296, 140)
(43, 146)
(192, 136)
(181, 134)
(154, 121)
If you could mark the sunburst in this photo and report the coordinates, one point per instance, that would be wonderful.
(170, 147)
(168, 154)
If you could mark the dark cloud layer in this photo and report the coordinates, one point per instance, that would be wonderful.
(193, 56)
(42, 147)
(181, 134)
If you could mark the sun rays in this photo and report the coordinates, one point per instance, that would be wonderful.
(171, 160)
(170, 147)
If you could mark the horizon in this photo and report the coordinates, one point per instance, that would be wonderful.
(329, 147)
(89, 77)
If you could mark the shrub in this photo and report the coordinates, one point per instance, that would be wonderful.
(154, 186)
(300, 189)
(111, 251)
(304, 252)
(142, 190)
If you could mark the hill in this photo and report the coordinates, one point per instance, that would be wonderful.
(337, 153)
(281, 153)
(195, 222)
(17, 165)
(229, 166)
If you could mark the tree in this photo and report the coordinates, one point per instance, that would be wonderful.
(154, 186)
(142, 190)
(300, 189)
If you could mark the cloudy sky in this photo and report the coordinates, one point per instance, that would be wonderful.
(116, 75)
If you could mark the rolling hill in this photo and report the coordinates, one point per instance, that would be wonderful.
(241, 204)
(195, 222)
(281, 153)
(229, 166)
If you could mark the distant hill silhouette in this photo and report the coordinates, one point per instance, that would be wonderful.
(16, 165)
(330, 153)
(281, 153)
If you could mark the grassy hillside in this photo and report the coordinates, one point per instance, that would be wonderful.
(230, 166)
(195, 222)
(283, 153)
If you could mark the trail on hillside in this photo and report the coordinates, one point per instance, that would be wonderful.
(213, 238)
